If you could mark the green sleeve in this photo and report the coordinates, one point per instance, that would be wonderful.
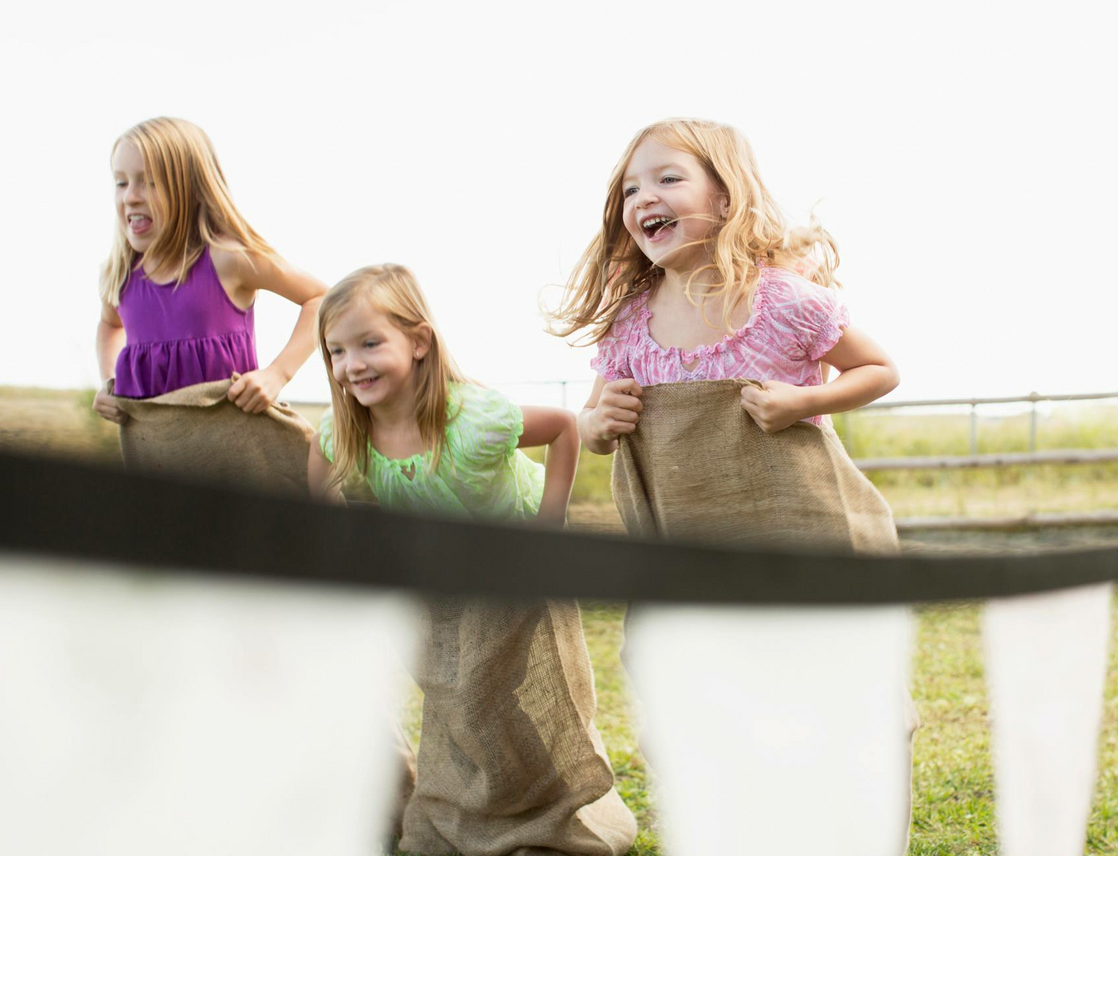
(487, 427)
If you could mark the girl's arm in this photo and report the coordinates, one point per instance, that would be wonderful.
(613, 408)
(865, 374)
(110, 341)
(242, 274)
(318, 476)
(556, 429)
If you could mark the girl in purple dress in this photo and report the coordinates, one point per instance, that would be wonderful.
(178, 288)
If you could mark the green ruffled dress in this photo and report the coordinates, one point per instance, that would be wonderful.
(481, 472)
(509, 759)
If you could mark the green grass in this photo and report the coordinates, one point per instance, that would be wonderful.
(1066, 425)
(952, 776)
(616, 721)
(1102, 828)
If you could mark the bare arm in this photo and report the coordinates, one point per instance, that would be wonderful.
(242, 275)
(318, 476)
(556, 429)
(865, 374)
(612, 409)
(110, 341)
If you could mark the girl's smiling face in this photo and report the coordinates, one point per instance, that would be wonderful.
(371, 358)
(671, 206)
(137, 206)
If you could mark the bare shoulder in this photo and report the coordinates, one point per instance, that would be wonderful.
(230, 260)
(109, 315)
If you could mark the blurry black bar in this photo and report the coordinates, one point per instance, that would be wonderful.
(99, 514)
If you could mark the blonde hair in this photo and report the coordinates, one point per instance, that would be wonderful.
(613, 269)
(193, 200)
(392, 290)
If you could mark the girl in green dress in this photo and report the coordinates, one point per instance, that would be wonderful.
(509, 759)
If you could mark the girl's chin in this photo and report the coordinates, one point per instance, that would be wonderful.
(676, 261)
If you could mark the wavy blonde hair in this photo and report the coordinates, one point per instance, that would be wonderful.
(613, 269)
(193, 201)
(393, 290)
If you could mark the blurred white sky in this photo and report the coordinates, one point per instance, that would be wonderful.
(964, 155)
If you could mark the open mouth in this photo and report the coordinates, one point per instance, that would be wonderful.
(139, 223)
(658, 227)
(364, 384)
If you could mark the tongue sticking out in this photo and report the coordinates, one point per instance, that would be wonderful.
(139, 224)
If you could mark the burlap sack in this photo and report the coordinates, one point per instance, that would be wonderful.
(403, 785)
(699, 469)
(509, 759)
(198, 433)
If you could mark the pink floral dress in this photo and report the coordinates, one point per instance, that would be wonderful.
(793, 324)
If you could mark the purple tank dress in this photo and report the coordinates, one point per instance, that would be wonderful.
(178, 336)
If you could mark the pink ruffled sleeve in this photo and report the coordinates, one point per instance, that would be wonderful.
(807, 318)
(612, 358)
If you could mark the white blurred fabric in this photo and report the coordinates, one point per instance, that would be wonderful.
(145, 712)
(1046, 667)
(776, 730)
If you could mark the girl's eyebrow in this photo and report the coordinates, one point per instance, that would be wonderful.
(666, 167)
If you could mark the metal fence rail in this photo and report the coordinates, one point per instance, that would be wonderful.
(988, 460)
(1033, 398)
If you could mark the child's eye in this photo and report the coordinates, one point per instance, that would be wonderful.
(669, 178)
(631, 190)
(371, 343)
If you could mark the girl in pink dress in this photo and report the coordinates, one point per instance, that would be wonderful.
(696, 276)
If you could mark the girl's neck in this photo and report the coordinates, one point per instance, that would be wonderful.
(396, 414)
(395, 431)
(158, 270)
(676, 281)
(704, 307)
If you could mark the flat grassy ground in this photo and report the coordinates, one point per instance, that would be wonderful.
(953, 779)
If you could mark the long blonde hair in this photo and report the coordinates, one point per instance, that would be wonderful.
(393, 290)
(195, 207)
(613, 269)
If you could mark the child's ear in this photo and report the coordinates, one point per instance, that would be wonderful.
(422, 341)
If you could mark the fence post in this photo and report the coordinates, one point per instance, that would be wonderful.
(973, 428)
(563, 394)
(1032, 423)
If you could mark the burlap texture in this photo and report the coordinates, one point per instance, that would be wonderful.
(699, 469)
(509, 759)
(198, 433)
(403, 782)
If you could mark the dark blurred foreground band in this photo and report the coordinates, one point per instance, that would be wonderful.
(79, 511)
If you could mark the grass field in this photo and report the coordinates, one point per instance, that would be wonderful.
(953, 808)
